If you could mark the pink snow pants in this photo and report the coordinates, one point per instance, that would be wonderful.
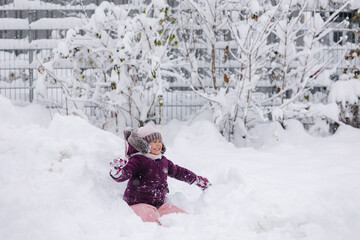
(150, 213)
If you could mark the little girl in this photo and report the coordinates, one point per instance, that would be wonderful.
(147, 170)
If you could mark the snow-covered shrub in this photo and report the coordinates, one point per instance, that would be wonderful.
(346, 93)
(353, 55)
(299, 74)
(225, 44)
(272, 51)
(120, 61)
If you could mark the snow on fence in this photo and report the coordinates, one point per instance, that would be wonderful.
(179, 105)
(18, 82)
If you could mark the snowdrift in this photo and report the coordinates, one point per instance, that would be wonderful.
(54, 182)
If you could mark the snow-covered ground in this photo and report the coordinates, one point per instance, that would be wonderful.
(54, 182)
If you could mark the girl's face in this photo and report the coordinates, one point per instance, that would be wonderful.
(156, 147)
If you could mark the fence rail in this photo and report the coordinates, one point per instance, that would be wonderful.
(177, 104)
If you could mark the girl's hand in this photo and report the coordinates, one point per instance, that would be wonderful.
(202, 182)
(116, 167)
(118, 163)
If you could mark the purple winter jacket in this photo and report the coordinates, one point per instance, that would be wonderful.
(148, 179)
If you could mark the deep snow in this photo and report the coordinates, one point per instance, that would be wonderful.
(54, 182)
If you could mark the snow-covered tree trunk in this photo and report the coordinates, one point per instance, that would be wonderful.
(253, 55)
(212, 19)
(208, 19)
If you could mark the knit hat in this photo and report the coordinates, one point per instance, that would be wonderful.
(149, 133)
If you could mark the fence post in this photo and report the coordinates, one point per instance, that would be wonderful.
(31, 58)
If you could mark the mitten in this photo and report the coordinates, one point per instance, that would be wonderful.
(116, 167)
(202, 182)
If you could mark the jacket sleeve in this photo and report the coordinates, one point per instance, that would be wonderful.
(129, 170)
(180, 173)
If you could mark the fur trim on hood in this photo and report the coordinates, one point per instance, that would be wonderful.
(142, 146)
(138, 143)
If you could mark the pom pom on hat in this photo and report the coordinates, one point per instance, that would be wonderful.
(149, 133)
